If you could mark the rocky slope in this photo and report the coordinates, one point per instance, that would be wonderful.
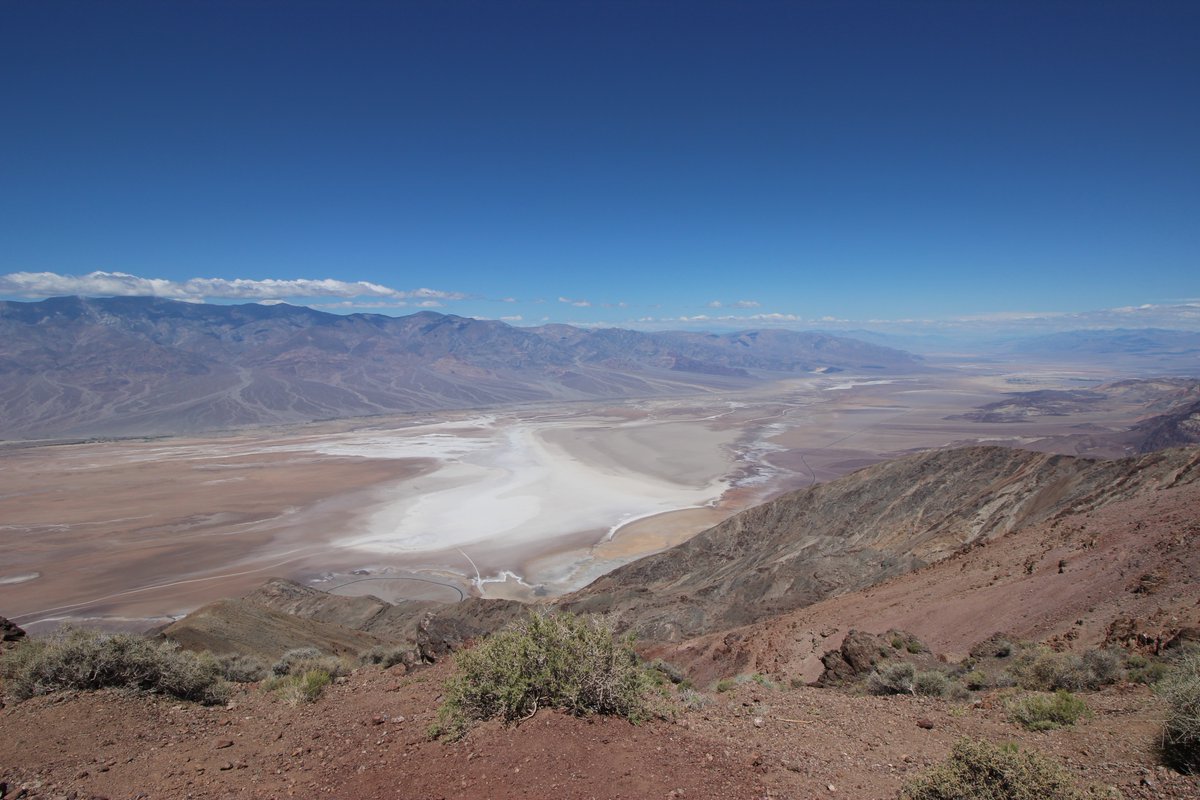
(1176, 428)
(854, 532)
(281, 615)
(138, 365)
(1125, 573)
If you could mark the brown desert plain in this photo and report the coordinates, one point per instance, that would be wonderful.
(513, 503)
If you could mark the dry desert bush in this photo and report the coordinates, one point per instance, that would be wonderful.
(76, 658)
(561, 661)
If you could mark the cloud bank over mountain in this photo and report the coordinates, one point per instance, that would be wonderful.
(349, 296)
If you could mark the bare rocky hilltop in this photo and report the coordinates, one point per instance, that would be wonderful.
(72, 366)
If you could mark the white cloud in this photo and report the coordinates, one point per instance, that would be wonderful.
(46, 284)
(737, 304)
(576, 303)
(514, 318)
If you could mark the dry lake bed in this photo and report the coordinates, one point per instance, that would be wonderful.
(516, 502)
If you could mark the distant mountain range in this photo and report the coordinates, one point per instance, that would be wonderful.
(1118, 341)
(72, 366)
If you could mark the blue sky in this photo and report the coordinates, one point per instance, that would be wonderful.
(653, 164)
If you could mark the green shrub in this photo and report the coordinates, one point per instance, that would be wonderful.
(1181, 731)
(983, 771)
(1141, 669)
(956, 691)
(308, 659)
(545, 661)
(299, 686)
(240, 668)
(975, 680)
(763, 681)
(893, 678)
(1042, 669)
(1099, 668)
(726, 685)
(930, 683)
(86, 659)
(1043, 712)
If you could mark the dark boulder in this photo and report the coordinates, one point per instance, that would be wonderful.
(10, 631)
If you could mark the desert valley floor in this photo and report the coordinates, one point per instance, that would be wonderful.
(517, 502)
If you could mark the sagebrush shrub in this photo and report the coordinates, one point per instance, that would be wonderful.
(76, 658)
(308, 659)
(982, 771)
(1042, 669)
(976, 680)
(241, 668)
(299, 686)
(930, 683)
(892, 678)
(545, 661)
(1043, 712)
(1181, 731)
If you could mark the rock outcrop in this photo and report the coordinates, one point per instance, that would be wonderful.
(10, 631)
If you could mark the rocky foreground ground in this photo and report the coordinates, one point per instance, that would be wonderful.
(365, 738)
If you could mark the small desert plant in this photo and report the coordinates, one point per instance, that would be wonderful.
(1148, 672)
(1099, 668)
(308, 659)
(975, 680)
(1181, 731)
(930, 683)
(299, 687)
(388, 656)
(894, 678)
(956, 691)
(763, 681)
(86, 659)
(1043, 712)
(726, 685)
(1042, 669)
(983, 771)
(692, 700)
(241, 668)
(545, 661)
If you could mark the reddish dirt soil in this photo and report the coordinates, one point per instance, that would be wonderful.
(365, 739)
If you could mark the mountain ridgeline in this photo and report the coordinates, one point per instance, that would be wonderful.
(72, 366)
(853, 532)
